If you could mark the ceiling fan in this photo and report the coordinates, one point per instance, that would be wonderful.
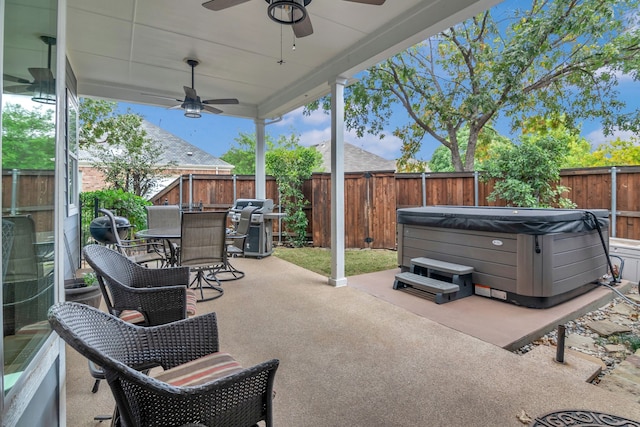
(43, 85)
(286, 12)
(192, 104)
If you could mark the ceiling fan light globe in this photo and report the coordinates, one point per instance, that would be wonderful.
(192, 110)
(287, 12)
(44, 94)
(46, 99)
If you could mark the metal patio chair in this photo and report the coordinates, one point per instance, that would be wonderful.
(140, 251)
(203, 249)
(165, 217)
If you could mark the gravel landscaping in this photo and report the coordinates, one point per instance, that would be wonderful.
(611, 333)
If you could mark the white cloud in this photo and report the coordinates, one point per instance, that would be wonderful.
(389, 147)
(619, 75)
(316, 129)
(598, 137)
(315, 136)
(296, 117)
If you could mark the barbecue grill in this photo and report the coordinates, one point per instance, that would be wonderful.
(101, 231)
(259, 241)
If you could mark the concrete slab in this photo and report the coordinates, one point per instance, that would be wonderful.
(484, 318)
(576, 364)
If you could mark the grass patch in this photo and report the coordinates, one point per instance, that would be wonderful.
(357, 261)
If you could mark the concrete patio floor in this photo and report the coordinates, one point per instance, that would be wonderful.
(365, 355)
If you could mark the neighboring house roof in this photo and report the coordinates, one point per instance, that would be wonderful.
(355, 159)
(186, 155)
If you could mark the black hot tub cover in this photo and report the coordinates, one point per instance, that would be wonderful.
(506, 220)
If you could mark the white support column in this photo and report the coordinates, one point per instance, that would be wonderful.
(260, 177)
(337, 278)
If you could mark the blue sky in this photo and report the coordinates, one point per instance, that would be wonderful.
(216, 134)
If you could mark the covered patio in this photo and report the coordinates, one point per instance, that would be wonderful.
(349, 357)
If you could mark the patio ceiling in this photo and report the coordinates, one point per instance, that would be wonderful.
(121, 49)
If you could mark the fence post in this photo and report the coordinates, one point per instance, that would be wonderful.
(475, 188)
(180, 196)
(614, 200)
(235, 197)
(190, 191)
(14, 190)
(424, 189)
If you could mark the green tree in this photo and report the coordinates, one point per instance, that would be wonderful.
(561, 56)
(242, 154)
(617, 153)
(528, 174)
(28, 138)
(123, 153)
(577, 150)
(290, 164)
(488, 142)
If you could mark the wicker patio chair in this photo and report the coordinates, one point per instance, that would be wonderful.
(139, 295)
(152, 296)
(199, 384)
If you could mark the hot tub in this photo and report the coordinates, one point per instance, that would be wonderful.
(532, 257)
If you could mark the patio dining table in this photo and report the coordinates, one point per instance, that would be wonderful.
(167, 234)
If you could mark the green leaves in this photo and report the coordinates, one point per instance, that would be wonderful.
(122, 152)
(28, 138)
(528, 175)
(291, 164)
(558, 56)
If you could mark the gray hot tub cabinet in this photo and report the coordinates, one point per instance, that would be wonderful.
(532, 257)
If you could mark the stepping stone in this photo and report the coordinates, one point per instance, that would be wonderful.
(578, 341)
(606, 328)
(615, 348)
(623, 309)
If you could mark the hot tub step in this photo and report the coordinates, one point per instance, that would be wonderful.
(443, 266)
(436, 290)
(457, 274)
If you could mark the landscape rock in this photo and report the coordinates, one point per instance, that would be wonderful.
(607, 328)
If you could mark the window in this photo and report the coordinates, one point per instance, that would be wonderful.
(28, 181)
(72, 153)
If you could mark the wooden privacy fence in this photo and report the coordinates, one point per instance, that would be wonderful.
(371, 198)
(29, 192)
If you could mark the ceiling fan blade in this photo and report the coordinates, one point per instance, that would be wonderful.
(221, 101)
(211, 109)
(222, 4)
(373, 2)
(10, 78)
(175, 107)
(303, 28)
(19, 89)
(190, 92)
(161, 96)
(41, 74)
